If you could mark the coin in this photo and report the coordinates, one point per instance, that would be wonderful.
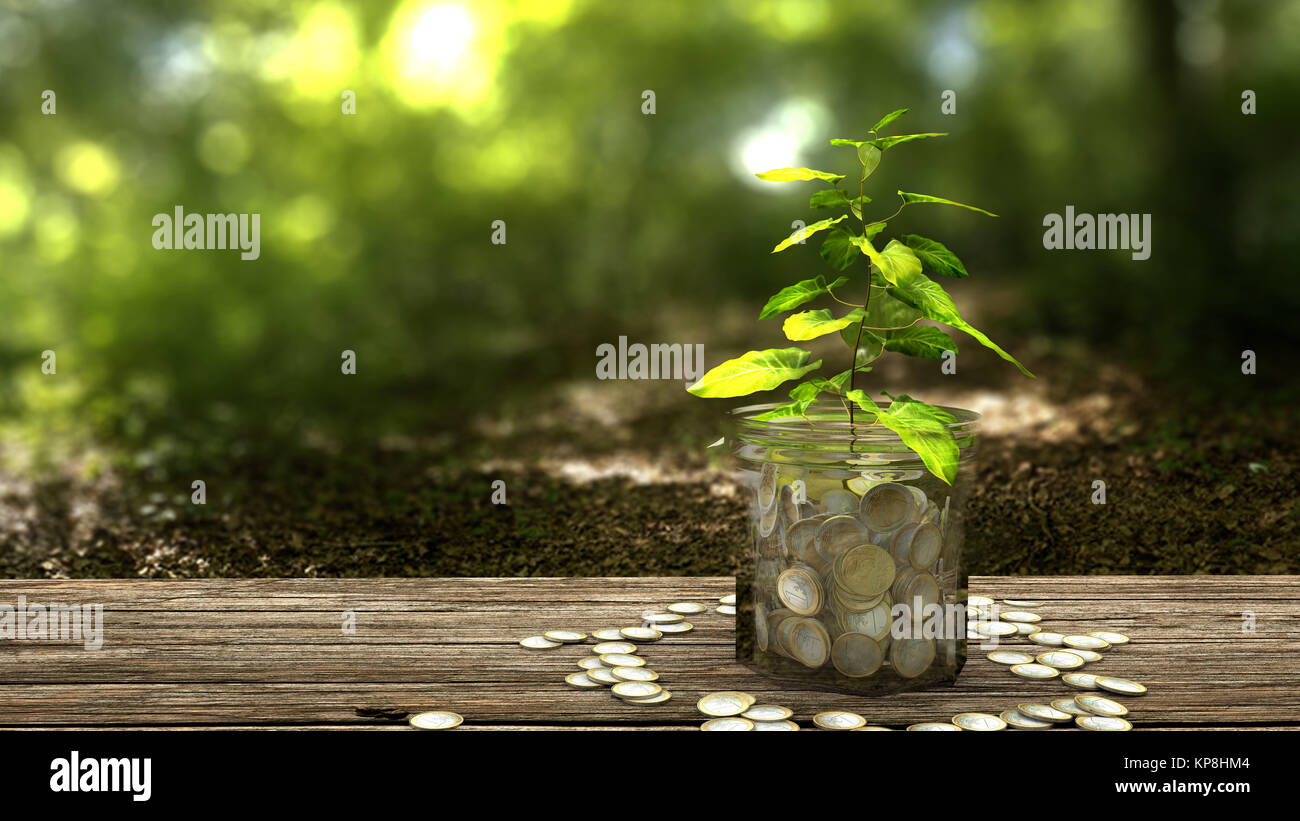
(1122, 686)
(876, 622)
(726, 703)
(856, 655)
(1020, 603)
(1086, 655)
(787, 505)
(1010, 657)
(912, 657)
(839, 533)
(582, 680)
(873, 728)
(606, 634)
(621, 660)
(810, 644)
(917, 545)
(800, 590)
(636, 689)
(886, 507)
(1020, 615)
(1044, 712)
(1071, 706)
(539, 643)
(565, 636)
(641, 633)
(838, 720)
(727, 725)
(726, 609)
(865, 570)
(1109, 637)
(1086, 642)
(921, 592)
(607, 647)
(1026, 629)
(839, 501)
(801, 540)
(768, 520)
(1060, 659)
(657, 698)
(997, 628)
(680, 627)
(591, 663)
(603, 675)
(978, 601)
(1046, 638)
(1104, 723)
(1080, 681)
(767, 712)
(982, 722)
(730, 598)
(1019, 720)
(1037, 671)
(662, 618)
(435, 720)
(934, 726)
(775, 726)
(635, 674)
(688, 608)
(1100, 705)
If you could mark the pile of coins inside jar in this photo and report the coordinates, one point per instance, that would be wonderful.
(829, 571)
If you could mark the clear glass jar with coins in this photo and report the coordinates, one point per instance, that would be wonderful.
(855, 582)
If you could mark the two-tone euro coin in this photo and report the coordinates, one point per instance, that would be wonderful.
(607, 634)
(1086, 642)
(1035, 671)
(603, 675)
(657, 698)
(435, 720)
(1021, 603)
(686, 608)
(621, 660)
(679, 627)
(1103, 723)
(726, 609)
(565, 636)
(1080, 681)
(730, 599)
(1060, 659)
(733, 724)
(783, 725)
(582, 681)
(1120, 686)
(607, 647)
(1017, 719)
(591, 663)
(641, 633)
(1045, 712)
(1047, 638)
(1010, 657)
(662, 618)
(933, 726)
(1071, 706)
(1020, 616)
(838, 720)
(1100, 705)
(981, 722)
(726, 703)
(1109, 637)
(635, 674)
(636, 689)
(767, 712)
(539, 643)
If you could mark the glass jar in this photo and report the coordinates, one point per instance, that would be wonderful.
(855, 582)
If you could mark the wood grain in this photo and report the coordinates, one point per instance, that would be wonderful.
(271, 653)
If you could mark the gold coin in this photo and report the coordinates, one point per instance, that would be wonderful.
(1020, 721)
(980, 722)
(435, 720)
(865, 570)
(582, 681)
(856, 655)
(726, 703)
(565, 636)
(636, 689)
(1121, 686)
(727, 725)
(1104, 723)
(686, 608)
(838, 720)
(767, 712)
(1035, 671)
(1100, 706)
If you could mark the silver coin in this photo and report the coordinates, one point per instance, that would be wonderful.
(781, 725)
(1110, 638)
(607, 647)
(540, 643)
(934, 726)
(1121, 686)
(686, 608)
(1035, 671)
(591, 663)
(1045, 712)
(1010, 657)
(727, 725)
(1100, 705)
(981, 722)
(767, 712)
(727, 703)
(582, 681)
(621, 660)
(1060, 659)
(1104, 723)
(1086, 642)
(1071, 706)
(661, 618)
(1021, 616)
(1017, 719)
(1047, 638)
(838, 720)
(680, 627)
(726, 609)
(435, 720)
(636, 689)
(1080, 681)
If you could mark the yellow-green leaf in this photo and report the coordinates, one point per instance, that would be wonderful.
(812, 324)
(754, 371)
(895, 262)
(806, 232)
(889, 118)
(921, 198)
(795, 174)
(792, 296)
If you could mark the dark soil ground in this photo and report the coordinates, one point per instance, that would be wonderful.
(618, 479)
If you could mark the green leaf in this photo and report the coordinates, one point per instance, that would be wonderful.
(916, 198)
(786, 411)
(889, 118)
(924, 341)
(895, 262)
(888, 142)
(830, 198)
(854, 143)
(863, 401)
(804, 391)
(927, 296)
(838, 250)
(806, 232)
(885, 313)
(754, 371)
(934, 257)
(922, 429)
(795, 174)
(933, 410)
(812, 324)
(792, 296)
(841, 379)
(870, 347)
(869, 156)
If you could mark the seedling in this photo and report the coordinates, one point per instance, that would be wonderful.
(898, 295)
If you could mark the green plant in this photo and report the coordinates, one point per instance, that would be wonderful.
(899, 295)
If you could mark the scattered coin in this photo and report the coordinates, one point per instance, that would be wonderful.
(997, 628)
(1122, 686)
(1086, 655)
(728, 725)
(658, 698)
(1019, 720)
(1021, 616)
(767, 712)
(1060, 659)
(603, 675)
(873, 728)
(1100, 705)
(1080, 681)
(1086, 642)
(641, 633)
(687, 608)
(1036, 671)
(1104, 723)
(1046, 638)
(636, 689)
(1020, 603)
(1010, 657)
(1110, 638)
(979, 601)
(582, 681)
(1071, 706)
(730, 598)
(1026, 629)
(607, 647)
(565, 636)
(679, 627)
(662, 618)
(607, 634)
(635, 674)
(591, 663)
(726, 703)
(726, 609)
(621, 660)
(539, 643)
(770, 726)
(435, 720)
(1045, 712)
(981, 722)
(934, 726)
(838, 720)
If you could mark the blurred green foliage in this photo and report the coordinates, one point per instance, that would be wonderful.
(376, 226)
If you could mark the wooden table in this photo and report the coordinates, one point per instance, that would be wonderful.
(274, 654)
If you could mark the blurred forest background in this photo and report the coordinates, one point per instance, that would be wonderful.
(476, 362)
